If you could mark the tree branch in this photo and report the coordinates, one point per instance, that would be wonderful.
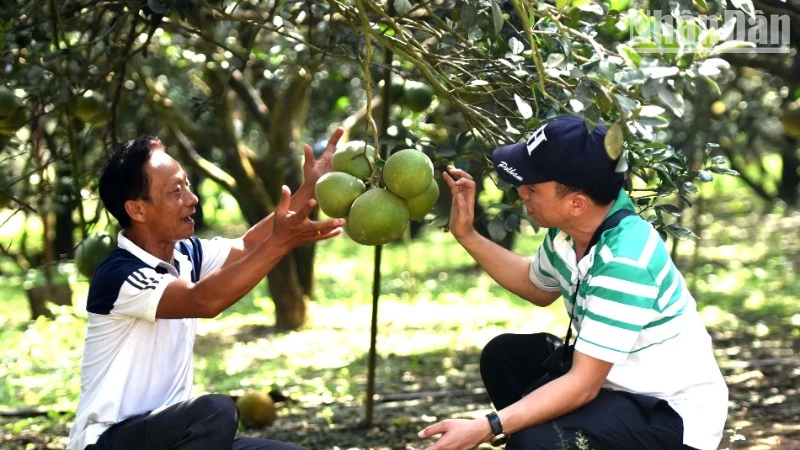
(189, 151)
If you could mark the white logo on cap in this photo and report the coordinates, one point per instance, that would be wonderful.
(537, 138)
(510, 170)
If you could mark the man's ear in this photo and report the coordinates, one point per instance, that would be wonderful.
(579, 203)
(135, 210)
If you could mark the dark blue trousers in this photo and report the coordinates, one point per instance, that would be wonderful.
(614, 420)
(208, 422)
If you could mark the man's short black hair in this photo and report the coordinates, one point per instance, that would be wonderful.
(124, 177)
(601, 196)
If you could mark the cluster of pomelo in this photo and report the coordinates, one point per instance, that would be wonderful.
(377, 205)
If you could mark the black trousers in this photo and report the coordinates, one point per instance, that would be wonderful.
(614, 420)
(208, 422)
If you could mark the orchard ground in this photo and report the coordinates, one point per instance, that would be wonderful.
(435, 313)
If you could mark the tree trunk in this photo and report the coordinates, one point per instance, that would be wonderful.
(287, 294)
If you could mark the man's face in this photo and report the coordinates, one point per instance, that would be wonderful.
(172, 203)
(544, 204)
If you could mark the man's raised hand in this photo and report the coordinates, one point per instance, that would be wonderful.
(294, 229)
(313, 169)
(462, 209)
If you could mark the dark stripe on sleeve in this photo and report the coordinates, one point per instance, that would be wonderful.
(193, 249)
(108, 279)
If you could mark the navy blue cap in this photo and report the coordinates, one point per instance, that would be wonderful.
(563, 151)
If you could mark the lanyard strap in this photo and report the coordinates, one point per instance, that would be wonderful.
(607, 224)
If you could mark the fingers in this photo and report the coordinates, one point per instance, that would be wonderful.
(306, 209)
(309, 155)
(282, 208)
(458, 173)
(437, 428)
(334, 139)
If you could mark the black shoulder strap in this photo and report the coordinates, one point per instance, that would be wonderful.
(608, 223)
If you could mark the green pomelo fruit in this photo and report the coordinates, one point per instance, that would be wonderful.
(9, 125)
(420, 205)
(377, 217)
(355, 158)
(417, 96)
(8, 102)
(336, 192)
(92, 251)
(256, 410)
(91, 109)
(396, 90)
(408, 173)
(5, 200)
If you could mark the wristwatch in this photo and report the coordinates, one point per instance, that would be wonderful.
(500, 437)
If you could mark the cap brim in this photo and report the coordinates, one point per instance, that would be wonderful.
(511, 164)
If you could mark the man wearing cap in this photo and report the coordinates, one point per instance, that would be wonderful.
(643, 374)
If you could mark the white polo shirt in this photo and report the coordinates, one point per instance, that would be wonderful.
(633, 309)
(132, 362)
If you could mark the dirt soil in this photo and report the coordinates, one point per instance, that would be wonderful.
(764, 406)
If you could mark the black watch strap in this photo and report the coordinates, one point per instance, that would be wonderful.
(494, 423)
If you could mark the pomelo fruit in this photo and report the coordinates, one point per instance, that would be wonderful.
(336, 191)
(8, 103)
(11, 124)
(377, 217)
(355, 158)
(92, 251)
(420, 205)
(256, 410)
(408, 173)
(91, 109)
(417, 96)
(791, 120)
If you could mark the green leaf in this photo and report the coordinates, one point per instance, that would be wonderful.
(673, 100)
(650, 111)
(561, 4)
(704, 176)
(702, 5)
(679, 232)
(497, 17)
(158, 6)
(515, 46)
(497, 229)
(724, 171)
(728, 46)
(712, 84)
(669, 209)
(524, 108)
(403, 7)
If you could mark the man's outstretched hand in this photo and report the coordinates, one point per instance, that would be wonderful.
(313, 169)
(457, 434)
(293, 229)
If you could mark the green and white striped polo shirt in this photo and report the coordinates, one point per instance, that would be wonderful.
(634, 310)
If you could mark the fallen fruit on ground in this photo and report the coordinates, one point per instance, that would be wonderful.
(256, 410)
(407, 173)
(336, 191)
(377, 217)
